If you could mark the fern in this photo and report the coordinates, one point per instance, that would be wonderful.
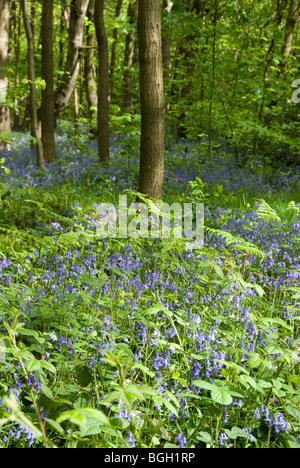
(266, 212)
(237, 242)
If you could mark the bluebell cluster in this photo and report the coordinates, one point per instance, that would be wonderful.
(90, 290)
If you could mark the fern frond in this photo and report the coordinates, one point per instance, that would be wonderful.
(266, 212)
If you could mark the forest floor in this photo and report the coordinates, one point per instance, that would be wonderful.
(141, 343)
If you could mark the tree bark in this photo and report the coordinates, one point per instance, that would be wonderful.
(166, 39)
(90, 72)
(114, 51)
(103, 83)
(31, 78)
(152, 99)
(291, 22)
(129, 57)
(68, 81)
(47, 109)
(4, 111)
(16, 35)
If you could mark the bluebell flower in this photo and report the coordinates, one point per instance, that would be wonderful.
(181, 439)
(131, 439)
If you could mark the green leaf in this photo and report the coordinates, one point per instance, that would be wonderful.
(133, 392)
(254, 362)
(204, 384)
(55, 425)
(46, 390)
(81, 416)
(204, 437)
(222, 396)
(47, 365)
(246, 380)
(33, 365)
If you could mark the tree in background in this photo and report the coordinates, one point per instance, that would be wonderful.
(72, 65)
(4, 110)
(89, 67)
(291, 22)
(103, 83)
(152, 98)
(47, 108)
(129, 57)
(31, 77)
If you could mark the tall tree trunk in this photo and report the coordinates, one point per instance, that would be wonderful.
(166, 39)
(4, 111)
(16, 35)
(291, 22)
(90, 72)
(128, 98)
(68, 81)
(31, 78)
(114, 51)
(213, 72)
(152, 99)
(103, 83)
(47, 109)
(64, 21)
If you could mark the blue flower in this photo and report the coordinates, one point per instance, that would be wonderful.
(181, 439)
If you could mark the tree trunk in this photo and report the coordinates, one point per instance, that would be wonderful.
(47, 109)
(152, 99)
(16, 35)
(291, 22)
(4, 111)
(68, 81)
(166, 39)
(128, 98)
(31, 78)
(114, 51)
(90, 72)
(103, 83)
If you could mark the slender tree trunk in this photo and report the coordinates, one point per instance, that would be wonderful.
(47, 109)
(4, 111)
(212, 80)
(291, 22)
(68, 81)
(76, 110)
(64, 21)
(152, 99)
(31, 77)
(16, 34)
(166, 39)
(128, 98)
(114, 51)
(90, 72)
(103, 83)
